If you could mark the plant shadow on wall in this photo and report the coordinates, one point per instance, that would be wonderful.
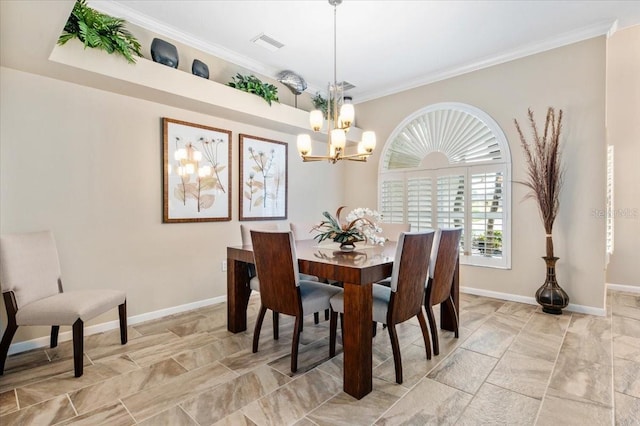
(101, 31)
(544, 179)
(263, 174)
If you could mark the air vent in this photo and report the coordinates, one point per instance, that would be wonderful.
(267, 42)
(346, 85)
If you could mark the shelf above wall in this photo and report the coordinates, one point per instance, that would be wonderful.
(158, 83)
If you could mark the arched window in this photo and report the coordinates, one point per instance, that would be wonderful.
(449, 165)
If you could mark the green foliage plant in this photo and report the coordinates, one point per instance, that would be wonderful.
(321, 103)
(252, 84)
(98, 30)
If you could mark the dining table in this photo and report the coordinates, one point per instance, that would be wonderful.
(357, 270)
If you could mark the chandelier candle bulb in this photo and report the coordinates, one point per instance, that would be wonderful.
(369, 141)
(316, 120)
(338, 138)
(347, 114)
(304, 144)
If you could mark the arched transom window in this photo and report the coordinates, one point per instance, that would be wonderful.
(449, 165)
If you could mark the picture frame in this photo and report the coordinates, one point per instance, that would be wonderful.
(263, 178)
(196, 172)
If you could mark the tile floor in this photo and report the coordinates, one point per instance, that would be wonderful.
(511, 365)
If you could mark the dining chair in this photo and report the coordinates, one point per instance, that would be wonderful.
(254, 281)
(32, 290)
(403, 299)
(281, 289)
(391, 231)
(442, 266)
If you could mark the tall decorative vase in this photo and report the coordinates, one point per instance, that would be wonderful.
(551, 296)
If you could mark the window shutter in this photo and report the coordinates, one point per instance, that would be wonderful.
(392, 201)
(487, 208)
(419, 203)
(450, 210)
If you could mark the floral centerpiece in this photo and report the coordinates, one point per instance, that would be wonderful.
(361, 225)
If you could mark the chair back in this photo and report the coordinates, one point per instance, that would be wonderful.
(245, 231)
(29, 266)
(274, 253)
(443, 266)
(303, 230)
(410, 269)
(391, 231)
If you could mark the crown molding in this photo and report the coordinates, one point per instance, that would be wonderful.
(601, 28)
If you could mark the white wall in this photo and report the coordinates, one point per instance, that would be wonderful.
(88, 164)
(571, 78)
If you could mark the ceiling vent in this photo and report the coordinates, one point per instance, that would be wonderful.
(346, 85)
(267, 42)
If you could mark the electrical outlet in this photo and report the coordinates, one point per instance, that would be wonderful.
(224, 266)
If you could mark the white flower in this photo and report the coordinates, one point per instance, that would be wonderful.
(368, 226)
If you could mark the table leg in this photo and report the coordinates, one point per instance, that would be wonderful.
(446, 322)
(357, 337)
(238, 293)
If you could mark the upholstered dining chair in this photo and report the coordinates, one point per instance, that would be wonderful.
(403, 299)
(442, 266)
(254, 281)
(32, 289)
(281, 289)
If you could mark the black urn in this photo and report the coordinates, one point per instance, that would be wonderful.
(164, 53)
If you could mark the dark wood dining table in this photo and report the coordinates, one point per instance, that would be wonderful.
(358, 270)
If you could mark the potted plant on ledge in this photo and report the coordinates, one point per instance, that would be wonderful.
(544, 179)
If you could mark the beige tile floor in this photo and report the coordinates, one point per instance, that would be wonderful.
(511, 365)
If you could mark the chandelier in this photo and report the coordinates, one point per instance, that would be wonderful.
(340, 117)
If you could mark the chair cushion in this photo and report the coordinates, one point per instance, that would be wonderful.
(254, 283)
(381, 297)
(67, 308)
(315, 296)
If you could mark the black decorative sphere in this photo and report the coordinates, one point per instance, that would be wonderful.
(164, 53)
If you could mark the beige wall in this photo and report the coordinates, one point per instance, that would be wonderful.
(623, 131)
(571, 78)
(88, 164)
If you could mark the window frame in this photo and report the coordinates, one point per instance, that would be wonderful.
(502, 165)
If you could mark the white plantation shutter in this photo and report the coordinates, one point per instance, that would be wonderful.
(466, 183)
(419, 203)
(392, 201)
(487, 212)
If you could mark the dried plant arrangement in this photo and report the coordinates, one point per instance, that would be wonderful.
(544, 168)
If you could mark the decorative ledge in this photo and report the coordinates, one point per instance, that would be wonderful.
(158, 83)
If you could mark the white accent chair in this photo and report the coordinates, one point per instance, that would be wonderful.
(32, 290)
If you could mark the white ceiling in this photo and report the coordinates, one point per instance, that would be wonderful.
(383, 46)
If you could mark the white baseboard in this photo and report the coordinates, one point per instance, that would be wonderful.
(625, 288)
(532, 300)
(110, 325)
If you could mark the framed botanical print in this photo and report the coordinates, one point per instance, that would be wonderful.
(197, 172)
(263, 178)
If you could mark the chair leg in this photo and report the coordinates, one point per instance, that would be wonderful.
(326, 314)
(316, 318)
(78, 347)
(256, 331)
(425, 333)
(54, 335)
(395, 346)
(374, 331)
(454, 315)
(294, 344)
(434, 330)
(122, 313)
(9, 332)
(276, 325)
(333, 326)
